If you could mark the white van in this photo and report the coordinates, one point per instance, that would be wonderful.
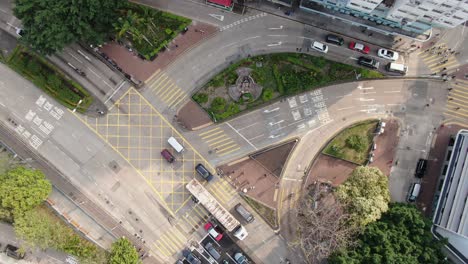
(396, 67)
(414, 192)
(175, 144)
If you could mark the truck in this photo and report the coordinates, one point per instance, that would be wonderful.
(223, 216)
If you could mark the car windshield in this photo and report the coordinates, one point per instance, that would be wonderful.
(390, 53)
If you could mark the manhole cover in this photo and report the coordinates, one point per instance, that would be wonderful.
(114, 166)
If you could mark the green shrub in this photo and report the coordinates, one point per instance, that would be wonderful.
(356, 142)
(218, 105)
(200, 98)
(168, 31)
(335, 150)
(267, 95)
(279, 82)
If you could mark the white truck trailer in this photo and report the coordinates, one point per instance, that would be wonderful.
(216, 209)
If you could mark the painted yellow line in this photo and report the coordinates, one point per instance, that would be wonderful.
(232, 150)
(168, 99)
(432, 59)
(162, 249)
(456, 123)
(215, 193)
(177, 98)
(178, 101)
(168, 89)
(225, 190)
(447, 65)
(198, 213)
(459, 86)
(175, 244)
(228, 187)
(216, 138)
(159, 82)
(206, 132)
(152, 75)
(118, 100)
(179, 236)
(438, 63)
(224, 144)
(213, 134)
(455, 103)
(161, 86)
(220, 141)
(462, 91)
(457, 112)
(227, 147)
(458, 94)
(463, 81)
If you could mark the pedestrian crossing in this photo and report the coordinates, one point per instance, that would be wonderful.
(164, 88)
(171, 242)
(218, 141)
(440, 58)
(222, 191)
(457, 103)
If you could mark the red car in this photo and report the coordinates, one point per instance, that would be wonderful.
(359, 47)
(214, 231)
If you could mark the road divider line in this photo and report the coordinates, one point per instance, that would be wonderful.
(242, 136)
(220, 141)
(213, 134)
(345, 108)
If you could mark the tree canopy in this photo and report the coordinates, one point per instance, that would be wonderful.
(123, 251)
(402, 236)
(366, 194)
(22, 189)
(49, 25)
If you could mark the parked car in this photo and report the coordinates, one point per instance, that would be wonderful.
(334, 39)
(190, 257)
(12, 252)
(214, 231)
(420, 168)
(388, 54)
(318, 46)
(359, 47)
(240, 258)
(368, 62)
(202, 171)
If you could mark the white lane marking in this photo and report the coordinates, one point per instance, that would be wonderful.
(280, 27)
(392, 91)
(116, 90)
(345, 108)
(274, 44)
(219, 17)
(249, 38)
(305, 38)
(277, 35)
(341, 96)
(393, 104)
(242, 136)
(365, 99)
(289, 179)
(247, 126)
(364, 93)
(275, 123)
(84, 55)
(108, 85)
(272, 110)
(257, 136)
(365, 88)
(352, 58)
(225, 46)
(74, 57)
(94, 73)
(368, 110)
(2, 104)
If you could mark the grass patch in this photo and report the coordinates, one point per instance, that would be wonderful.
(49, 78)
(280, 74)
(148, 30)
(268, 214)
(353, 143)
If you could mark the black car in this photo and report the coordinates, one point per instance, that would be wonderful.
(420, 168)
(204, 172)
(368, 62)
(190, 257)
(334, 39)
(13, 252)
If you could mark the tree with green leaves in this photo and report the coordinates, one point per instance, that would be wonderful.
(123, 251)
(401, 236)
(22, 189)
(366, 194)
(50, 25)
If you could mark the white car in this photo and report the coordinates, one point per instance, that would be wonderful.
(318, 46)
(388, 54)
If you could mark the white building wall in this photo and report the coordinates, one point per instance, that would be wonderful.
(365, 6)
(443, 13)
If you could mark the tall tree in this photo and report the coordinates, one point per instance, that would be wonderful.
(402, 235)
(322, 224)
(366, 194)
(22, 189)
(123, 251)
(49, 25)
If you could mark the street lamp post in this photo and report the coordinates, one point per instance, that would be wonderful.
(78, 104)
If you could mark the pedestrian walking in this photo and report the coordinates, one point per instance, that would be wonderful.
(450, 88)
(444, 68)
(450, 99)
(457, 108)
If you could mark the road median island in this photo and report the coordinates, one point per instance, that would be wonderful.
(50, 79)
(353, 143)
(255, 81)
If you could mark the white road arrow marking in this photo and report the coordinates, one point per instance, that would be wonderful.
(219, 17)
(274, 44)
(280, 27)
